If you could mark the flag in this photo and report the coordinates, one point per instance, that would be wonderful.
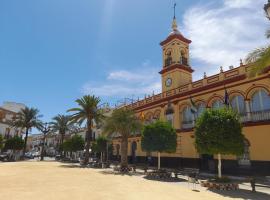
(226, 98)
(193, 108)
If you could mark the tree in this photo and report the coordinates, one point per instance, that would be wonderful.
(259, 59)
(219, 132)
(74, 144)
(100, 145)
(27, 118)
(160, 137)
(15, 143)
(77, 143)
(124, 123)
(61, 124)
(87, 111)
(1, 142)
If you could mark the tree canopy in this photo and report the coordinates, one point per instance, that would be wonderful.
(1, 141)
(14, 143)
(100, 145)
(75, 143)
(219, 132)
(159, 136)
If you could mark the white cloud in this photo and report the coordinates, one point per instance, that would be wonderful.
(123, 83)
(222, 35)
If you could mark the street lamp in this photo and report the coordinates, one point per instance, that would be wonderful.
(267, 9)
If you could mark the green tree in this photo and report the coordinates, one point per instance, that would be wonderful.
(87, 111)
(61, 124)
(77, 143)
(160, 137)
(14, 143)
(124, 123)
(219, 132)
(1, 142)
(100, 145)
(27, 118)
(259, 59)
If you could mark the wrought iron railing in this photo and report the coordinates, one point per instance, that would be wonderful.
(256, 116)
(244, 118)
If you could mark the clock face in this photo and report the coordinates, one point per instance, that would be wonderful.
(168, 82)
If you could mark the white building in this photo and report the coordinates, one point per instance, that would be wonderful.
(8, 112)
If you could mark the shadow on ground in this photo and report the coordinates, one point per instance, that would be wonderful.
(170, 180)
(109, 172)
(244, 194)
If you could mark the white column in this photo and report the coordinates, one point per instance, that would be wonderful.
(248, 110)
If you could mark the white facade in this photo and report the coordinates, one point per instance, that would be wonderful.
(7, 112)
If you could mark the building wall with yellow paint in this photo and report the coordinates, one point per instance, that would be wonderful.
(177, 94)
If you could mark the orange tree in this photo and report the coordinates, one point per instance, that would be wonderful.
(160, 137)
(219, 132)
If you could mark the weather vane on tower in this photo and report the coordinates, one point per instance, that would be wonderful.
(174, 10)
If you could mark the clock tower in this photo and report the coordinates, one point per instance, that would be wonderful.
(176, 70)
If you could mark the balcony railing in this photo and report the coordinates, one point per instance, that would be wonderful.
(256, 116)
(188, 124)
(244, 118)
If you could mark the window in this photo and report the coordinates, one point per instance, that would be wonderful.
(260, 101)
(244, 160)
(217, 104)
(183, 59)
(168, 60)
(188, 116)
(238, 104)
(200, 108)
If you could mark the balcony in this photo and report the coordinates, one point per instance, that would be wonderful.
(244, 118)
(256, 116)
(188, 124)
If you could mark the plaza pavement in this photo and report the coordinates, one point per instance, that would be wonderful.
(51, 180)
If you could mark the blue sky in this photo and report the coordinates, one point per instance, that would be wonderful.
(54, 51)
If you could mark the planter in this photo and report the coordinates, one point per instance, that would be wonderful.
(220, 186)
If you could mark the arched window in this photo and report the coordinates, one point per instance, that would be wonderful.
(169, 113)
(260, 101)
(238, 104)
(168, 60)
(244, 160)
(217, 104)
(183, 58)
(200, 109)
(187, 115)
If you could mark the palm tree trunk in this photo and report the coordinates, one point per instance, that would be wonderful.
(124, 151)
(158, 160)
(42, 150)
(219, 166)
(25, 141)
(61, 143)
(88, 140)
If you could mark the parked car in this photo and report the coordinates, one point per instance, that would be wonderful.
(29, 155)
(4, 157)
(36, 154)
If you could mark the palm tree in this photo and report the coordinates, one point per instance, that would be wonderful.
(87, 112)
(259, 59)
(27, 118)
(124, 123)
(61, 124)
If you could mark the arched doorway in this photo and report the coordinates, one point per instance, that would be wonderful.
(133, 152)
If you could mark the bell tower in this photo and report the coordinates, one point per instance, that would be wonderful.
(176, 70)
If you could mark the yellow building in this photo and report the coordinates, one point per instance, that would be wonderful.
(248, 96)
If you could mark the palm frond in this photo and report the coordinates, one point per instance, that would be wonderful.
(259, 60)
(268, 33)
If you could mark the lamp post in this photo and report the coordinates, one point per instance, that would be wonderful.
(45, 129)
(267, 9)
